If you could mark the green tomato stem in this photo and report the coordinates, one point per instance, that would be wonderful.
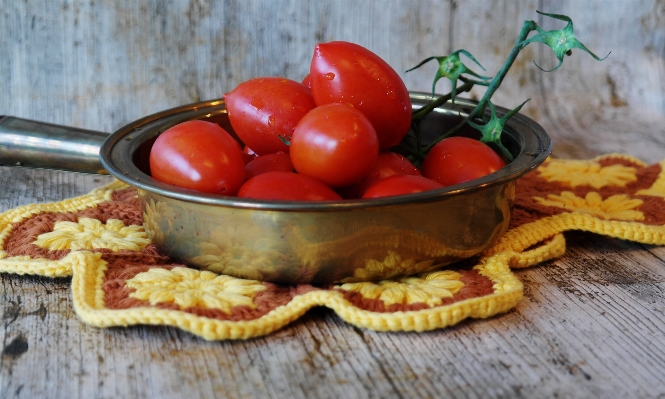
(422, 112)
(527, 28)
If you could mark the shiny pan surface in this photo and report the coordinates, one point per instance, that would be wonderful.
(323, 242)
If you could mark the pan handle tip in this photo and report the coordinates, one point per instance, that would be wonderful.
(34, 144)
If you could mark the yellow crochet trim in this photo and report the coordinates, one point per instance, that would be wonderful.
(37, 267)
(551, 248)
(522, 237)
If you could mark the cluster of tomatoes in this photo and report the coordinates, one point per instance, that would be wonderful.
(327, 137)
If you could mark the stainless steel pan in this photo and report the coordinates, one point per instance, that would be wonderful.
(293, 242)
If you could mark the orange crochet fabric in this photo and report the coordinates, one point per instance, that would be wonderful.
(120, 279)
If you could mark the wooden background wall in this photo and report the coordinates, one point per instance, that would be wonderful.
(101, 64)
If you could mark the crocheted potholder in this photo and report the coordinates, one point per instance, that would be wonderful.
(120, 279)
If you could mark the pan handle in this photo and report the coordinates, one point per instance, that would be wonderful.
(35, 144)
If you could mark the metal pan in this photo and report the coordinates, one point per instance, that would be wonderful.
(300, 242)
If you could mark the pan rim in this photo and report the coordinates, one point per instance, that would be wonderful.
(117, 152)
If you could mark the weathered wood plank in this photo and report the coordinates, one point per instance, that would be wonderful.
(114, 63)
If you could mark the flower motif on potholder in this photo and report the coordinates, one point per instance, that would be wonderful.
(586, 173)
(392, 265)
(618, 206)
(90, 233)
(188, 287)
(430, 289)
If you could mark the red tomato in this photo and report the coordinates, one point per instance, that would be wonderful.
(307, 81)
(248, 155)
(343, 72)
(400, 185)
(387, 164)
(286, 186)
(459, 159)
(335, 144)
(200, 156)
(263, 109)
(277, 162)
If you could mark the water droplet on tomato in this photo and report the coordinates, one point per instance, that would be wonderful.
(271, 120)
(390, 92)
(329, 76)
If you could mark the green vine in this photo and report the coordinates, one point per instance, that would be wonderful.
(561, 41)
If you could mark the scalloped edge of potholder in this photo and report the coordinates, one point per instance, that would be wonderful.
(89, 275)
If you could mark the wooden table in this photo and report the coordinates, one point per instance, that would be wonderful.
(591, 324)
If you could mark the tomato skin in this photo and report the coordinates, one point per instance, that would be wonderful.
(286, 186)
(307, 81)
(335, 144)
(400, 185)
(262, 109)
(200, 156)
(460, 159)
(387, 164)
(278, 161)
(348, 73)
(248, 155)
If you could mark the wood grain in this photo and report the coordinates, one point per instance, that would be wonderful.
(591, 323)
